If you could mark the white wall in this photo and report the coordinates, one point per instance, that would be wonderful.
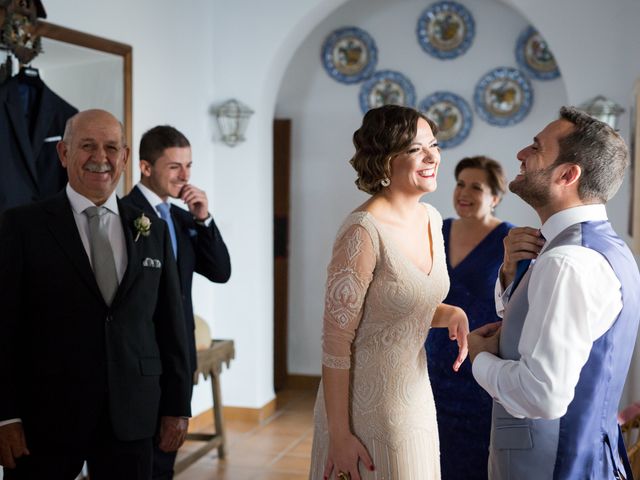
(256, 40)
(89, 85)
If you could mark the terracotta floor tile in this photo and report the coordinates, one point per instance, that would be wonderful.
(303, 448)
(203, 471)
(278, 449)
(277, 475)
(266, 443)
(287, 426)
(239, 426)
(292, 463)
(249, 457)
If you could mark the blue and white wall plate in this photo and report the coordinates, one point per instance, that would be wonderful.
(349, 55)
(452, 115)
(445, 30)
(535, 57)
(387, 87)
(503, 96)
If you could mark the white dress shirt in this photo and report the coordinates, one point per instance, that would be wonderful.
(151, 196)
(574, 297)
(116, 236)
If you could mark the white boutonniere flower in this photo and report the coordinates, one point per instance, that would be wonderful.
(142, 224)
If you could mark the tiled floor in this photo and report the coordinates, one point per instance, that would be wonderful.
(278, 449)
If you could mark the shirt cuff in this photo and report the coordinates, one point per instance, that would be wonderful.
(481, 369)
(485, 370)
(501, 297)
(11, 420)
(206, 222)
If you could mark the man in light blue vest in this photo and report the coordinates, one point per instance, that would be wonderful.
(557, 364)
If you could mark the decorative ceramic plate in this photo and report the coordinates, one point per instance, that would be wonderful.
(445, 30)
(503, 96)
(349, 55)
(534, 57)
(387, 87)
(452, 115)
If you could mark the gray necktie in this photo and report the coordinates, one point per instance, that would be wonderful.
(104, 266)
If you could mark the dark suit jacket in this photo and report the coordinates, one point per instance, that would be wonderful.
(65, 356)
(200, 249)
(31, 170)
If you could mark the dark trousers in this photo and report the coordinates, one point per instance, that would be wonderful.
(163, 464)
(107, 457)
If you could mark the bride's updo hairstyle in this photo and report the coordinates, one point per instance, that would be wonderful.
(385, 132)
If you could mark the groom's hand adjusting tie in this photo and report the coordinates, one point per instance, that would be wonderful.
(521, 246)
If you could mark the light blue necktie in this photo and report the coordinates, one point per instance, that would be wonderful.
(165, 214)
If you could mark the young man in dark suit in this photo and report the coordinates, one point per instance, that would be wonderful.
(92, 341)
(165, 166)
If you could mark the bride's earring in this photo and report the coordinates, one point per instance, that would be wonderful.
(385, 182)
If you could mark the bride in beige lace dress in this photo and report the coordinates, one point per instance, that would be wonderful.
(375, 416)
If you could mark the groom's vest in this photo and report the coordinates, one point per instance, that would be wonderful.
(585, 443)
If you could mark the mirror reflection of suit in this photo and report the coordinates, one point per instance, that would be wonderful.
(30, 126)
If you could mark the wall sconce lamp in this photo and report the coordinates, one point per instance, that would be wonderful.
(603, 109)
(233, 118)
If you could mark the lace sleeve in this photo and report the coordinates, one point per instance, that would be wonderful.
(348, 278)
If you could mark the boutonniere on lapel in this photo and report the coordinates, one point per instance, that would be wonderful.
(142, 224)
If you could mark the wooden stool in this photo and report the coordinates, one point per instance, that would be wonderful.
(210, 362)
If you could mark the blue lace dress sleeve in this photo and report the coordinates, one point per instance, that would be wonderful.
(463, 407)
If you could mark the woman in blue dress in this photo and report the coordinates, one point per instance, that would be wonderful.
(474, 250)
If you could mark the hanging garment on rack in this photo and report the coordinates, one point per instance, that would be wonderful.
(32, 121)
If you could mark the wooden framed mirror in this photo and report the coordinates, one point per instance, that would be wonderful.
(89, 72)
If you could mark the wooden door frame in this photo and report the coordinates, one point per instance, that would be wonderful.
(281, 208)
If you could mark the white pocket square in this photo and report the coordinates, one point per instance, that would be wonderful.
(151, 262)
(55, 138)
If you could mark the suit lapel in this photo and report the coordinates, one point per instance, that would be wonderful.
(139, 200)
(134, 262)
(20, 129)
(63, 227)
(43, 120)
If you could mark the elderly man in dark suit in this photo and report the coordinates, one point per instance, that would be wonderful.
(165, 166)
(92, 339)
